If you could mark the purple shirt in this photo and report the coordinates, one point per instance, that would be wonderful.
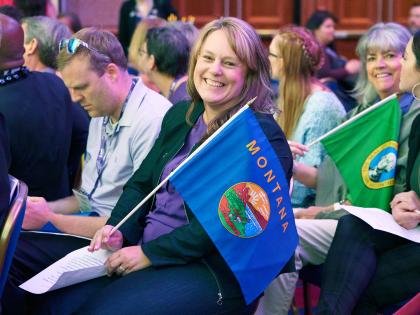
(169, 212)
(180, 94)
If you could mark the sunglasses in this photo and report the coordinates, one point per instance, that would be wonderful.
(73, 44)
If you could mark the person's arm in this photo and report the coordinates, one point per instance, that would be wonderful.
(38, 214)
(77, 225)
(68, 205)
(305, 174)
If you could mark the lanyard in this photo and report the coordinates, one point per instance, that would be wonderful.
(105, 140)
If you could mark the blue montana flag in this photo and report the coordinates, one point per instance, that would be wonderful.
(235, 186)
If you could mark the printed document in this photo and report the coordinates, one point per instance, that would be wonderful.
(77, 266)
(382, 220)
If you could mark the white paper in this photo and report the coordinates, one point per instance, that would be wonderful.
(77, 266)
(382, 220)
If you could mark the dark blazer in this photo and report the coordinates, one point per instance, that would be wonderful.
(37, 111)
(190, 242)
(4, 170)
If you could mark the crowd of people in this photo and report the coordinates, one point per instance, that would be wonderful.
(92, 123)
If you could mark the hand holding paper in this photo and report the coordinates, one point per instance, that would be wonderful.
(406, 209)
(382, 220)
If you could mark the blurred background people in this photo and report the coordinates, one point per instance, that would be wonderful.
(36, 7)
(336, 72)
(136, 42)
(11, 11)
(163, 57)
(414, 18)
(133, 11)
(71, 20)
(188, 29)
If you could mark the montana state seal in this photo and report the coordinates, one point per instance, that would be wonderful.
(244, 209)
(378, 170)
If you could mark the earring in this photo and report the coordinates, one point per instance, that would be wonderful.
(413, 91)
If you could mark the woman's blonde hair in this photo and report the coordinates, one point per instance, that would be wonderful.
(302, 56)
(250, 50)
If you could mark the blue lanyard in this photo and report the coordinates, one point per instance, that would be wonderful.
(102, 155)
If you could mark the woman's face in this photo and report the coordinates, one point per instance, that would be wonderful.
(276, 61)
(325, 33)
(409, 73)
(383, 70)
(219, 75)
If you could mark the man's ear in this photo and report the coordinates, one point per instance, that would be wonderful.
(32, 46)
(112, 71)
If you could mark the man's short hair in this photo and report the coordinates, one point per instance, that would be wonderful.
(105, 49)
(170, 48)
(48, 32)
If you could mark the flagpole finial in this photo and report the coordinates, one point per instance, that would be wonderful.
(250, 101)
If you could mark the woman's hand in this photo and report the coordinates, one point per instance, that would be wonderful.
(126, 260)
(104, 239)
(297, 148)
(406, 209)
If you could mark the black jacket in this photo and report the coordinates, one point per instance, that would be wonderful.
(37, 111)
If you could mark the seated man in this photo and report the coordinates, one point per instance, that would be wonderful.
(42, 37)
(4, 169)
(163, 57)
(126, 119)
(37, 111)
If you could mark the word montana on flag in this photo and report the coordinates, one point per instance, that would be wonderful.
(236, 188)
(365, 152)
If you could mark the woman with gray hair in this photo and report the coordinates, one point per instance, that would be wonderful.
(380, 50)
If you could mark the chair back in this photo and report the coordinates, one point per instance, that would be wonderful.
(9, 233)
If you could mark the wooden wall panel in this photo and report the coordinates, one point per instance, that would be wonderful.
(203, 11)
(352, 14)
(400, 11)
(267, 14)
(356, 14)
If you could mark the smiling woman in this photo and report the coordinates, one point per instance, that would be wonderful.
(380, 50)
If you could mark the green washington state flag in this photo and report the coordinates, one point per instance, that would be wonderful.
(365, 152)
